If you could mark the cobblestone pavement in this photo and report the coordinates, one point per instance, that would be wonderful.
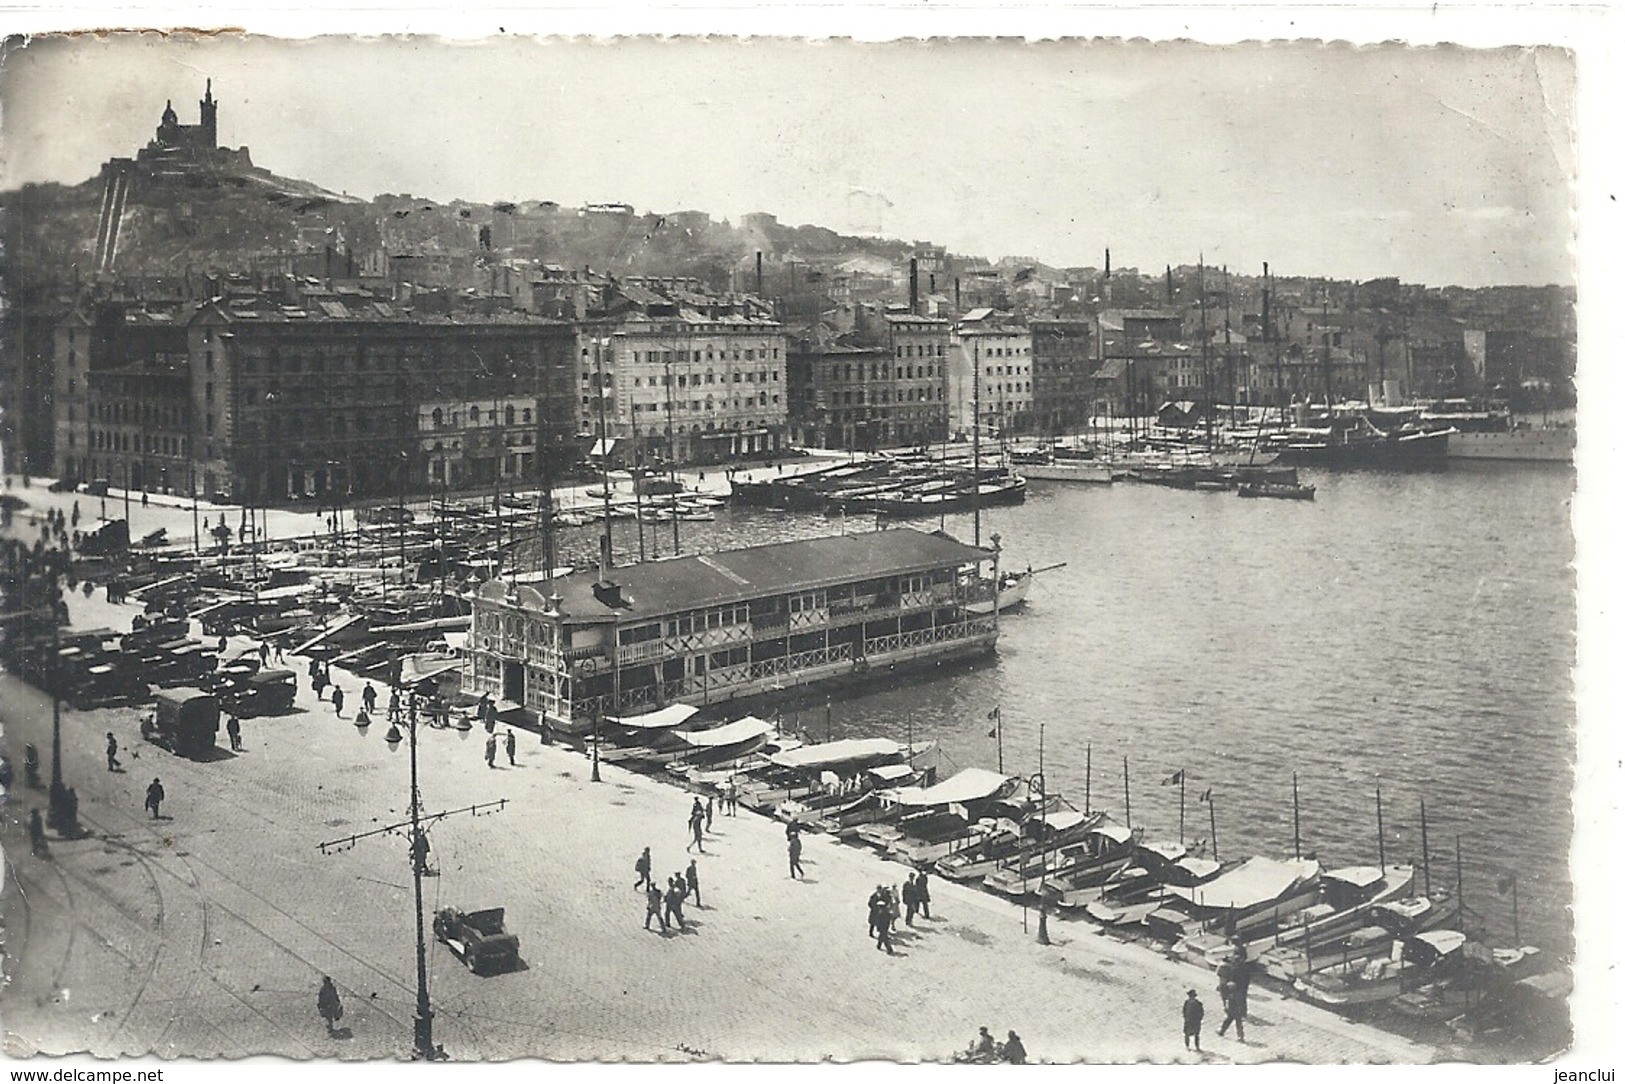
(206, 933)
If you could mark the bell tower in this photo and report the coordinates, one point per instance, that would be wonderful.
(206, 115)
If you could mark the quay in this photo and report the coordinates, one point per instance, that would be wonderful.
(206, 933)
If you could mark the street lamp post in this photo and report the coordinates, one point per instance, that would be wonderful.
(423, 1024)
(1037, 783)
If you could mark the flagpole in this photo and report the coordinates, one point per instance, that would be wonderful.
(1088, 772)
(1182, 807)
(1296, 840)
(998, 730)
(1128, 821)
(1212, 825)
(1427, 866)
(1382, 854)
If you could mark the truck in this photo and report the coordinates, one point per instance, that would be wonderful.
(184, 721)
(478, 939)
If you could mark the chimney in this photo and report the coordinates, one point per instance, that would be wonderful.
(956, 293)
(758, 272)
(1168, 284)
(604, 559)
(914, 286)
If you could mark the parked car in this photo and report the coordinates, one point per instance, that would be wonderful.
(477, 938)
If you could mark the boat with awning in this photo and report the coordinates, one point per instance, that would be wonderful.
(849, 754)
(1257, 895)
(726, 742)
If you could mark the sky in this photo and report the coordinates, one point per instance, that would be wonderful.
(1437, 165)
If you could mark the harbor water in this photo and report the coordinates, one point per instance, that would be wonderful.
(1413, 632)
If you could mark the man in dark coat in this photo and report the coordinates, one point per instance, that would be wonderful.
(491, 751)
(922, 894)
(911, 901)
(642, 867)
(877, 910)
(694, 881)
(512, 745)
(234, 731)
(338, 700)
(795, 856)
(1235, 975)
(328, 1004)
(112, 752)
(155, 797)
(653, 901)
(1193, 1012)
(674, 903)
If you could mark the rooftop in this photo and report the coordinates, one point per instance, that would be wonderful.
(704, 580)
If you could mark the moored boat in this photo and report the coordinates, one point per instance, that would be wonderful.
(1279, 490)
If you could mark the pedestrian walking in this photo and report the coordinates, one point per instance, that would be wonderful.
(877, 909)
(795, 857)
(328, 1004)
(1235, 975)
(394, 705)
(319, 680)
(733, 797)
(155, 797)
(710, 810)
(76, 513)
(491, 751)
(112, 753)
(369, 697)
(276, 649)
(653, 902)
(642, 867)
(674, 904)
(512, 745)
(234, 732)
(1193, 1011)
(911, 901)
(922, 894)
(694, 881)
(696, 825)
(882, 923)
(338, 701)
(36, 835)
(265, 654)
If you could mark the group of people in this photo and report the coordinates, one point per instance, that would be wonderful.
(699, 822)
(511, 744)
(666, 906)
(985, 1050)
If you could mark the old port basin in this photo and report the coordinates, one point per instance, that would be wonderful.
(874, 681)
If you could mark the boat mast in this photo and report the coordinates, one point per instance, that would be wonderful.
(671, 463)
(607, 539)
(1326, 345)
(1229, 356)
(1207, 346)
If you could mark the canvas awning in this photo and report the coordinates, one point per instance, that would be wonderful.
(969, 785)
(890, 772)
(1062, 819)
(416, 668)
(1117, 833)
(1358, 876)
(668, 716)
(851, 751)
(740, 730)
(1255, 881)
